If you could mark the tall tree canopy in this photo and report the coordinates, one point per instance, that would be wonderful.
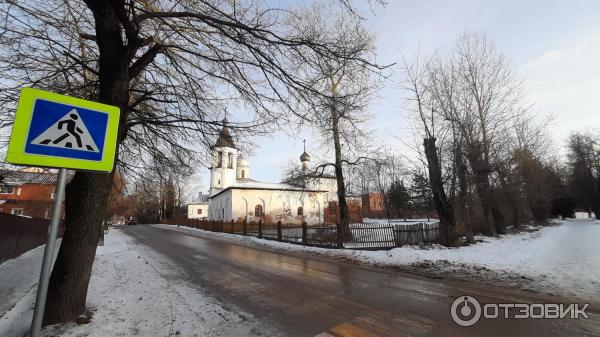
(172, 67)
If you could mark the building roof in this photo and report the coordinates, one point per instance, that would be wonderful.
(20, 177)
(225, 139)
(258, 185)
(304, 156)
(198, 202)
(301, 178)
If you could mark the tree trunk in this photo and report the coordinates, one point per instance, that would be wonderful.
(85, 198)
(461, 172)
(87, 194)
(339, 174)
(596, 200)
(448, 236)
(492, 216)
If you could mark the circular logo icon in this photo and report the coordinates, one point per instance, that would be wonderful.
(465, 311)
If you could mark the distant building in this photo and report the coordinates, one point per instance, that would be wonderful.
(198, 209)
(27, 192)
(235, 196)
(373, 205)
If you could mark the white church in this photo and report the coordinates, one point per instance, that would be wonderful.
(234, 195)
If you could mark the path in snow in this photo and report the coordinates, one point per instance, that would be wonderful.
(133, 291)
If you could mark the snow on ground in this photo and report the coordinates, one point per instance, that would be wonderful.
(134, 291)
(18, 284)
(563, 259)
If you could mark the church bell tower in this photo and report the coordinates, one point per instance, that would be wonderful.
(224, 161)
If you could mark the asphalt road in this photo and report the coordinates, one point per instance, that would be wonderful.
(305, 295)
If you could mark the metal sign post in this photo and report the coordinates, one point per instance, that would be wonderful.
(42, 291)
(58, 131)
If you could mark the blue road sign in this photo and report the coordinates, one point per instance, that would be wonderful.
(60, 130)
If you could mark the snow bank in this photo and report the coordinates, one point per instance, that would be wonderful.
(135, 291)
(562, 260)
(18, 286)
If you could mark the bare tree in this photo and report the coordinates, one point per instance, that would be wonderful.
(479, 93)
(347, 85)
(171, 67)
(383, 169)
(423, 105)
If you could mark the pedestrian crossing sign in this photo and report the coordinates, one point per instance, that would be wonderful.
(53, 130)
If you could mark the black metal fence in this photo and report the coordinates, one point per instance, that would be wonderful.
(356, 236)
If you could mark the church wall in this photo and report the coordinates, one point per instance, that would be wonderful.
(279, 206)
(219, 207)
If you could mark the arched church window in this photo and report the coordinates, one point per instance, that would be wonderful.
(300, 211)
(220, 159)
(243, 174)
(230, 160)
(258, 211)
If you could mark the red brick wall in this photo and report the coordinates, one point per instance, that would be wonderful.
(373, 205)
(332, 212)
(34, 199)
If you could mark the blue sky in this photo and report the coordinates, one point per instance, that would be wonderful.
(553, 45)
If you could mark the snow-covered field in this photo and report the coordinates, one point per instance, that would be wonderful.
(562, 259)
(133, 292)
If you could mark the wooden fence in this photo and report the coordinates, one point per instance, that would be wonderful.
(357, 236)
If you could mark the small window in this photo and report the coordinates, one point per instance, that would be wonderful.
(300, 211)
(17, 211)
(258, 211)
(230, 160)
(220, 159)
(243, 174)
(7, 189)
(200, 211)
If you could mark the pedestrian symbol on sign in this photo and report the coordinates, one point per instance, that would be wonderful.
(69, 132)
(54, 130)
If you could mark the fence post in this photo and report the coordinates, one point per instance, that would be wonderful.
(244, 230)
(397, 236)
(340, 235)
(278, 230)
(304, 231)
(260, 228)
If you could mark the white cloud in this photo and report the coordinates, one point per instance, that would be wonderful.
(566, 83)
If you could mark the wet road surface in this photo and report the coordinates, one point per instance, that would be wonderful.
(304, 295)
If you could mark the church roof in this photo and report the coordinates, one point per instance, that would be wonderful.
(225, 139)
(304, 156)
(259, 185)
